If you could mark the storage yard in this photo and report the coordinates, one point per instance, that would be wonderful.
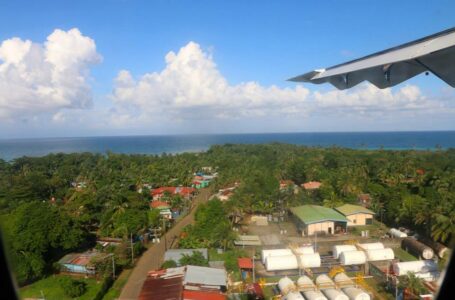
(342, 266)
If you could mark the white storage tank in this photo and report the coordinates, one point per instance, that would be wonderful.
(356, 257)
(324, 282)
(356, 294)
(286, 285)
(284, 262)
(314, 295)
(305, 250)
(396, 233)
(333, 294)
(370, 246)
(294, 296)
(274, 252)
(310, 260)
(337, 249)
(380, 254)
(419, 266)
(305, 283)
(343, 280)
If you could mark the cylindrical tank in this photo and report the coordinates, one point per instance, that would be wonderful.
(305, 283)
(356, 294)
(284, 262)
(396, 233)
(305, 250)
(371, 246)
(274, 252)
(380, 254)
(286, 285)
(313, 295)
(352, 258)
(419, 266)
(310, 260)
(294, 296)
(343, 280)
(337, 249)
(438, 248)
(333, 294)
(417, 248)
(324, 282)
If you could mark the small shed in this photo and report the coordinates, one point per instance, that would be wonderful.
(356, 214)
(78, 263)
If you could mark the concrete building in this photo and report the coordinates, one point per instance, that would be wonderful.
(356, 214)
(313, 219)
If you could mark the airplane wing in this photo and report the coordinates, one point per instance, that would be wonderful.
(434, 53)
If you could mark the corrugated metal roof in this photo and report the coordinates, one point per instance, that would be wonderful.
(350, 209)
(310, 214)
(196, 275)
(202, 295)
(177, 254)
(162, 289)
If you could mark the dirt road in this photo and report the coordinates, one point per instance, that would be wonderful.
(153, 257)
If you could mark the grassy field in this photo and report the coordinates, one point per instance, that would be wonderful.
(116, 288)
(51, 289)
(403, 255)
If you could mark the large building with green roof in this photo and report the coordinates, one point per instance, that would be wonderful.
(356, 214)
(313, 219)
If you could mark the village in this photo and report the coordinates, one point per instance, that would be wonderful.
(303, 252)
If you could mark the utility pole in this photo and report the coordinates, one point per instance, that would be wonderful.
(113, 266)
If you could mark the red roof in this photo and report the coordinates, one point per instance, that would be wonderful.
(311, 185)
(202, 295)
(245, 263)
(155, 204)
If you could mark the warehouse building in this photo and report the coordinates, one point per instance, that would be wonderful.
(312, 219)
(356, 214)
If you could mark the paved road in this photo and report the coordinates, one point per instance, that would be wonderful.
(153, 257)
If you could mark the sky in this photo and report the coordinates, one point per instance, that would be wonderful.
(119, 67)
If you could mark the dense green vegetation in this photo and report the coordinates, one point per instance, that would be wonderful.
(56, 204)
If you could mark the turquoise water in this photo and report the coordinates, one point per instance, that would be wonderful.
(10, 149)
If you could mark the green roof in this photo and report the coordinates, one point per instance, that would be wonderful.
(350, 209)
(310, 214)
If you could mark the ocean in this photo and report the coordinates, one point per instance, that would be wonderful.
(14, 148)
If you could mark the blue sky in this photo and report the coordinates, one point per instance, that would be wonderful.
(242, 47)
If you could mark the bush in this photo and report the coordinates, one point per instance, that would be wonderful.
(73, 288)
(169, 264)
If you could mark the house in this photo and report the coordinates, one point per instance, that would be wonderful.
(185, 192)
(225, 195)
(205, 278)
(284, 184)
(312, 219)
(177, 254)
(189, 283)
(200, 184)
(364, 200)
(311, 185)
(356, 214)
(163, 284)
(80, 263)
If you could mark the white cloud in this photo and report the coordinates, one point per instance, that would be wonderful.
(190, 87)
(37, 78)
